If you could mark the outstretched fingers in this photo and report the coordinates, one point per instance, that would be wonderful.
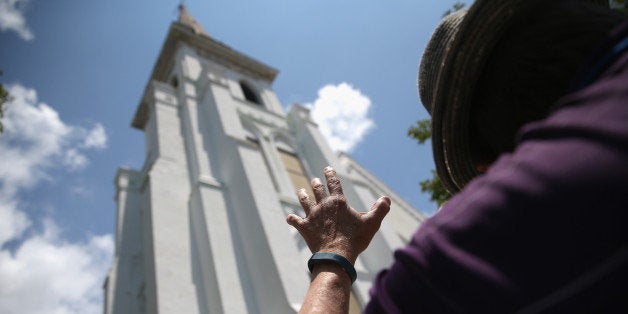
(319, 190)
(378, 211)
(333, 183)
(305, 201)
(295, 221)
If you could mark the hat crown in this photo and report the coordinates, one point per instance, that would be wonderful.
(450, 67)
(434, 56)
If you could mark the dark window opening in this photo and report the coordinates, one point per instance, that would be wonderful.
(174, 82)
(249, 94)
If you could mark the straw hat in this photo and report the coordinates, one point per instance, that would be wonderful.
(450, 68)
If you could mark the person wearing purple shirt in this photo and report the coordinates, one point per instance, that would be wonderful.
(529, 106)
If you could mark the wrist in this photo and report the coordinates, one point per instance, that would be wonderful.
(337, 249)
(332, 273)
(330, 258)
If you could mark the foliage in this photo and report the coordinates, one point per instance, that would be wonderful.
(421, 131)
(459, 5)
(438, 192)
(4, 98)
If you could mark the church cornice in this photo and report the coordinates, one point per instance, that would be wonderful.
(181, 34)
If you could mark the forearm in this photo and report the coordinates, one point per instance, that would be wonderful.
(331, 226)
(329, 290)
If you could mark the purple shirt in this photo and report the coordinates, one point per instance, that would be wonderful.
(545, 229)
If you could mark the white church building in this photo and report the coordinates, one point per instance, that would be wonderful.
(201, 227)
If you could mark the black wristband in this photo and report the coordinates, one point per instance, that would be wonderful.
(325, 257)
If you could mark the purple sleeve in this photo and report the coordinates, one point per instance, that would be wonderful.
(545, 228)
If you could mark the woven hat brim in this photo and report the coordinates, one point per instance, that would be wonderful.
(484, 24)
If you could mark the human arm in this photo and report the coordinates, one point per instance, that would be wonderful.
(329, 290)
(331, 225)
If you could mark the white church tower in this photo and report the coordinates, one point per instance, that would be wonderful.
(201, 227)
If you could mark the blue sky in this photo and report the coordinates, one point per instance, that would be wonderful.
(77, 70)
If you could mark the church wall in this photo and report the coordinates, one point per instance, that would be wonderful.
(255, 262)
(290, 272)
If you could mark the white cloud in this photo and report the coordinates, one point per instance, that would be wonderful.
(96, 138)
(13, 222)
(80, 190)
(12, 18)
(33, 136)
(36, 139)
(44, 273)
(341, 112)
(48, 275)
(74, 160)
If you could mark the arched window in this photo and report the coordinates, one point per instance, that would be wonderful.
(249, 93)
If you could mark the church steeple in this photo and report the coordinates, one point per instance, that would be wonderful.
(199, 226)
(186, 19)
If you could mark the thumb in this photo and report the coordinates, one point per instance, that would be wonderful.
(378, 211)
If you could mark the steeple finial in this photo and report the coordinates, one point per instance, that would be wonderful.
(186, 19)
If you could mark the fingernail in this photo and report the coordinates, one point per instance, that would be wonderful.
(328, 168)
(387, 200)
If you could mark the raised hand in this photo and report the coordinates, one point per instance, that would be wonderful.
(331, 225)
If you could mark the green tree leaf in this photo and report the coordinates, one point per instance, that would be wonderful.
(421, 131)
(436, 189)
(4, 98)
(457, 6)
